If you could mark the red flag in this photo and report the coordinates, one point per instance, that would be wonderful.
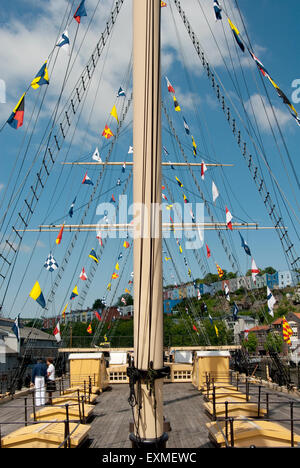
(208, 251)
(59, 237)
(100, 240)
(98, 315)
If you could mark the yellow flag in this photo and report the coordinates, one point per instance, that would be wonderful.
(233, 27)
(64, 311)
(117, 267)
(114, 113)
(217, 331)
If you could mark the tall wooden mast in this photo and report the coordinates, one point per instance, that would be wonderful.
(148, 298)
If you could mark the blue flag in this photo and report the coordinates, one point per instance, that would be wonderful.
(121, 93)
(245, 245)
(71, 210)
(81, 11)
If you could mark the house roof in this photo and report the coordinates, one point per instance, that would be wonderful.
(277, 321)
(259, 328)
(31, 333)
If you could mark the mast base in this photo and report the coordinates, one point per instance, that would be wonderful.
(149, 444)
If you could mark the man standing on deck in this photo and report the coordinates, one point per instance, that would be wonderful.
(39, 374)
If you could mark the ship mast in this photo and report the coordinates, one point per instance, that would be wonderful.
(148, 297)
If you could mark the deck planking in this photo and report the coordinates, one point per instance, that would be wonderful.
(183, 407)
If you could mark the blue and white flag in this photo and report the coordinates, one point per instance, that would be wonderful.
(16, 328)
(121, 93)
(271, 301)
(217, 9)
(64, 42)
(226, 289)
(186, 127)
(245, 245)
(71, 210)
(51, 264)
(210, 319)
(235, 311)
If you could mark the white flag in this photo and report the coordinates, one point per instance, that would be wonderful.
(96, 156)
(254, 270)
(130, 151)
(215, 191)
(56, 333)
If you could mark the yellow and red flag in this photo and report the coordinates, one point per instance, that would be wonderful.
(107, 133)
(286, 331)
(220, 271)
(89, 329)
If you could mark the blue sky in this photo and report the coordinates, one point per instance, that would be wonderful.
(28, 33)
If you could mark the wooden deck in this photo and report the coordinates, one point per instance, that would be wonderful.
(183, 407)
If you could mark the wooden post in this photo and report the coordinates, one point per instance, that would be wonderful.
(147, 246)
(292, 423)
(34, 412)
(25, 402)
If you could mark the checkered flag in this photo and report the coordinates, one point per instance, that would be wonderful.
(51, 264)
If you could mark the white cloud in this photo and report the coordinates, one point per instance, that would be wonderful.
(264, 112)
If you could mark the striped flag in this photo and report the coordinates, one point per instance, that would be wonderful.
(286, 331)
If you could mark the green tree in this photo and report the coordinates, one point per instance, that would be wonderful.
(128, 298)
(274, 343)
(98, 304)
(251, 344)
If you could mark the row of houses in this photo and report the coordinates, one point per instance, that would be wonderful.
(278, 280)
(173, 296)
(109, 314)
